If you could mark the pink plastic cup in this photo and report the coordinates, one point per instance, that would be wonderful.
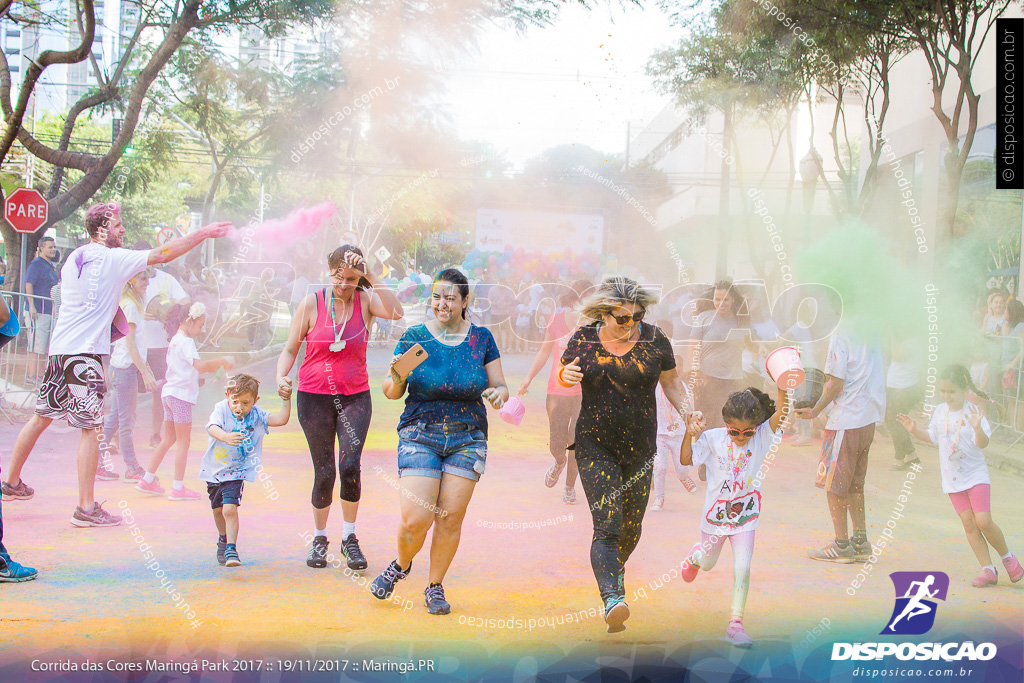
(513, 411)
(784, 367)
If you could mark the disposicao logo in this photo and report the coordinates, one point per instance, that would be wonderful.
(916, 593)
(913, 615)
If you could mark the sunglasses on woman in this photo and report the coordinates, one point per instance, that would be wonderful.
(624, 319)
(742, 432)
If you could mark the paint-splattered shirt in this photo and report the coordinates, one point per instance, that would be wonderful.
(224, 462)
(619, 410)
(446, 387)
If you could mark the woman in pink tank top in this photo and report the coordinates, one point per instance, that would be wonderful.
(333, 402)
(563, 403)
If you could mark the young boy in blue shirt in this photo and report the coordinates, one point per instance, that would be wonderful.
(236, 428)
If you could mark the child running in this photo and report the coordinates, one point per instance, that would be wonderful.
(236, 428)
(732, 504)
(670, 439)
(960, 430)
(179, 398)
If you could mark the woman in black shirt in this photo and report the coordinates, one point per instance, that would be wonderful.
(618, 361)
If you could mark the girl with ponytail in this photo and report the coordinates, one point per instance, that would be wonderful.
(737, 457)
(959, 428)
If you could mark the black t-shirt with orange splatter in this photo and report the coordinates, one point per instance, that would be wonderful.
(619, 411)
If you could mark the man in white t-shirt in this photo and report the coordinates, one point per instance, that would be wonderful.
(91, 283)
(855, 385)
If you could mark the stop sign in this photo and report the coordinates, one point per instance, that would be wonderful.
(25, 209)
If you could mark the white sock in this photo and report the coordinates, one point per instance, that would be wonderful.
(696, 557)
(321, 532)
(347, 529)
(992, 567)
(148, 477)
(178, 485)
(1007, 556)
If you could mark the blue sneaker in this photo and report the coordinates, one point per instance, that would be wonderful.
(12, 572)
(436, 604)
(222, 547)
(616, 611)
(384, 585)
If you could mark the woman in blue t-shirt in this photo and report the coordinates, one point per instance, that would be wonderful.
(442, 434)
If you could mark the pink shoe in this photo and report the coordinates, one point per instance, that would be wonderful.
(183, 494)
(986, 578)
(689, 569)
(689, 484)
(152, 488)
(1013, 568)
(735, 634)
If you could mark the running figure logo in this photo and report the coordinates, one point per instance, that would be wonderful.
(916, 593)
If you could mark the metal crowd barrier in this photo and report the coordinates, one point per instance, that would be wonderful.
(14, 360)
(1004, 385)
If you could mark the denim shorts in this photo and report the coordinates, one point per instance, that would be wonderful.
(427, 450)
(225, 492)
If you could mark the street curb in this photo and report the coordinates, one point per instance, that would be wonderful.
(1014, 466)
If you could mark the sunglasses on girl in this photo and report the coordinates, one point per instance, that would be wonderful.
(743, 432)
(624, 319)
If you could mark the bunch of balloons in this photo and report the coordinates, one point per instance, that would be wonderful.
(535, 266)
(411, 288)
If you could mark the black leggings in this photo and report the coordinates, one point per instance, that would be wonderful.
(562, 414)
(322, 416)
(617, 493)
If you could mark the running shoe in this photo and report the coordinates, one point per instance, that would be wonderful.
(184, 493)
(222, 547)
(616, 611)
(104, 474)
(689, 484)
(350, 550)
(19, 491)
(985, 579)
(317, 557)
(832, 553)
(434, 599)
(569, 496)
(801, 440)
(902, 465)
(134, 474)
(690, 569)
(553, 473)
(231, 556)
(1013, 569)
(735, 634)
(12, 572)
(861, 548)
(658, 504)
(95, 517)
(384, 585)
(153, 487)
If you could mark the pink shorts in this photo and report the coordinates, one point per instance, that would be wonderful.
(977, 498)
(177, 411)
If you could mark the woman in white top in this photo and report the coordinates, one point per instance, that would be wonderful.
(960, 430)
(127, 363)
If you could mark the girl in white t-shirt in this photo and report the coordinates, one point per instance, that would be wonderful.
(180, 392)
(127, 355)
(960, 430)
(737, 457)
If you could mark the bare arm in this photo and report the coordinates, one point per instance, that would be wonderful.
(29, 289)
(911, 426)
(675, 391)
(296, 333)
(182, 245)
(232, 438)
(496, 392)
(395, 384)
(133, 351)
(211, 365)
(383, 302)
(833, 388)
(281, 419)
(539, 361)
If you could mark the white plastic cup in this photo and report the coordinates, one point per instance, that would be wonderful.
(784, 367)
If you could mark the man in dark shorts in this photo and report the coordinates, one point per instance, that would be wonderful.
(856, 386)
(73, 387)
